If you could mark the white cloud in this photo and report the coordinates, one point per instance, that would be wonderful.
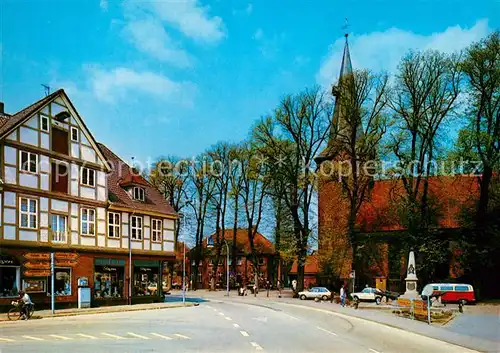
(103, 4)
(382, 51)
(121, 82)
(188, 16)
(150, 37)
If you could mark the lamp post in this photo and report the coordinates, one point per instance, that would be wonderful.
(227, 264)
(183, 259)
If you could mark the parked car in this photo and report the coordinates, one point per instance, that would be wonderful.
(368, 294)
(315, 292)
(452, 292)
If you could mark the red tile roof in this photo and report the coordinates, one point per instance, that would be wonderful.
(311, 266)
(262, 244)
(155, 202)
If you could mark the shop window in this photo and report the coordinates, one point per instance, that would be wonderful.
(113, 225)
(9, 281)
(146, 281)
(156, 231)
(88, 221)
(28, 213)
(34, 285)
(108, 282)
(62, 283)
(29, 162)
(136, 227)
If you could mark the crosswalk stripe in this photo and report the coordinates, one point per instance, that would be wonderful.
(33, 338)
(86, 336)
(256, 345)
(161, 336)
(60, 337)
(236, 325)
(228, 318)
(244, 333)
(6, 340)
(138, 336)
(112, 336)
(181, 336)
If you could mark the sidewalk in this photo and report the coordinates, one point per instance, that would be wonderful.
(101, 310)
(471, 339)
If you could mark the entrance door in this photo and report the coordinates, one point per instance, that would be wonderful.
(58, 228)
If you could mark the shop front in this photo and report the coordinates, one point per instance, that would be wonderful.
(10, 276)
(109, 282)
(147, 276)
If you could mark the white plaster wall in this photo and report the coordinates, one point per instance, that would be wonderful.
(124, 217)
(125, 230)
(74, 224)
(125, 243)
(56, 109)
(10, 155)
(168, 235)
(10, 175)
(44, 204)
(136, 245)
(75, 150)
(45, 143)
(101, 194)
(28, 235)
(74, 187)
(28, 180)
(168, 224)
(147, 221)
(9, 215)
(101, 213)
(58, 205)
(88, 154)
(101, 178)
(33, 122)
(84, 139)
(60, 101)
(44, 219)
(10, 198)
(28, 136)
(74, 209)
(101, 241)
(113, 243)
(88, 193)
(44, 182)
(168, 246)
(156, 246)
(146, 244)
(147, 231)
(44, 235)
(44, 164)
(101, 227)
(74, 238)
(87, 241)
(9, 232)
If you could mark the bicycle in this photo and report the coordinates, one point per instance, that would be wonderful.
(15, 312)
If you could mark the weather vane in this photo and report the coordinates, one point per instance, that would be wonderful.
(345, 27)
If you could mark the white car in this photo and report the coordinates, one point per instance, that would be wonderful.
(368, 294)
(315, 292)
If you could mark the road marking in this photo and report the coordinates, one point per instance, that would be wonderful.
(112, 336)
(215, 310)
(162, 336)
(330, 332)
(244, 333)
(86, 336)
(6, 340)
(374, 351)
(291, 317)
(60, 337)
(257, 347)
(33, 338)
(208, 306)
(228, 318)
(221, 314)
(236, 325)
(181, 336)
(138, 336)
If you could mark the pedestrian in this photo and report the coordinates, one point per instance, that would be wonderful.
(278, 284)
(342, 295)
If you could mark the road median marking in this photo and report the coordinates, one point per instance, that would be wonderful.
(257, 347)
(236, 325)
(86, 336)
(222, 314)
(137, 335)
(112, 336)
(6, 340)
(330, 332)
(244, 333)
(181, 336)
(291, 317)
(373, 350)
(34, 338)
(228, 318)
(61, 337)
(161, 336)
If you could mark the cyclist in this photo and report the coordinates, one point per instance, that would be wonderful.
(26, 302)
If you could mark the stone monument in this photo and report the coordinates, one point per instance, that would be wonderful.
(411, 278)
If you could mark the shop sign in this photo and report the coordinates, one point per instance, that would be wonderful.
(37, 273)
(7, 260)
(110, 269)
(105, 261)
(37, 256)
(144, 269)
(66, 263)
(65, 256)
(146, 263)
(37, 265)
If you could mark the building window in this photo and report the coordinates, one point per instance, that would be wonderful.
(9, 281)
(74, 134)
(29, 162)
(88, 177)
(28, 213)
(62, 282)
(113, 225)
(139, 193)
(136, 227)
(156, 234)
(44, 123)
(58, 228)
(88, 221)
(108, 282)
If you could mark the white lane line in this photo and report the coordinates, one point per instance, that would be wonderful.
(257, 347)
(236, 325)
(215, 310)
(222, 314)
(244, 333)
(34, 338)
(86, 336)
(60, 337)
(292, 317)
(330, 332)
(138, 336)
(374, 351)
(6, 340)
(228, 318)
(161, 336)
(112, 336)
(181, 336)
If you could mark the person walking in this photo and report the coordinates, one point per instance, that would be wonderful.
(342, 295)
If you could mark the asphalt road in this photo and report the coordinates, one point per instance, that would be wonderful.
(213, 327)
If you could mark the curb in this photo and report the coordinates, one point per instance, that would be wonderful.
(2, 320)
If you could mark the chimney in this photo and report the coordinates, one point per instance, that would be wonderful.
(2, 108)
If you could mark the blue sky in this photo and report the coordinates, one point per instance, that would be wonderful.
(154, 78)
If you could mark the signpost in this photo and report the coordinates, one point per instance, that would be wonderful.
(353, 276)
(427, 292)
(52, 274)
(37, 273)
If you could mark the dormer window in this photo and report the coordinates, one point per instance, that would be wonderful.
(139, 193)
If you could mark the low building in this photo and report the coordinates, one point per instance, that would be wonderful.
(311, 271)
(67, 195)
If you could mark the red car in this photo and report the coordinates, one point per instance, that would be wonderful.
(454, 292)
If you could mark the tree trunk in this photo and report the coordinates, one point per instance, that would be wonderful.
(484, 196)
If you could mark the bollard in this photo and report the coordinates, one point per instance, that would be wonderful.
(460, 307)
